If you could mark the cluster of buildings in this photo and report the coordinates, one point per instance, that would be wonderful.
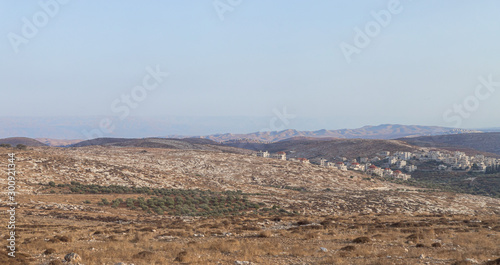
(364, 166)
(400, 164)
(369, 168)
(458, 160)
(282, 156)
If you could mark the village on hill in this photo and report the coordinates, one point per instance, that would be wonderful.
(400, 165)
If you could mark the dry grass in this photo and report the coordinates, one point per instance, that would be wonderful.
(358, 240)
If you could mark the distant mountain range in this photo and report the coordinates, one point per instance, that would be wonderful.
(301, 146)
(384, 131)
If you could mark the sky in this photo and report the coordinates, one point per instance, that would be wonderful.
(305, 65)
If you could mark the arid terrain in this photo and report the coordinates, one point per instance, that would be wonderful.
(142, 205)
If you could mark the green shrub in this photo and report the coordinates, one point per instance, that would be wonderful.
(105, 201)
(21, 147)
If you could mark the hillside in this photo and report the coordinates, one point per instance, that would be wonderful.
(183, 144)
(329, 149)
(169, 206)
(384, 131)
(485, 142)
(217, 171)
(58, 142)
(13, 141)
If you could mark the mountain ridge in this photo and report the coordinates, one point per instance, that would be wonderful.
(382, 131)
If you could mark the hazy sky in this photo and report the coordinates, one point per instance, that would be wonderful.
(350, 63)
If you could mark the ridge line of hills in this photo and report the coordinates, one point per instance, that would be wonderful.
(383, 131)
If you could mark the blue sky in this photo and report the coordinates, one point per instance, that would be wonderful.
(263, 56)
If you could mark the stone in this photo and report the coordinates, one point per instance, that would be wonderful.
(72, 257)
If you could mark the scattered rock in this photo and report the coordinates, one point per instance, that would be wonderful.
(72, 257)
(472, 261)
(242, 262)
(323, 249)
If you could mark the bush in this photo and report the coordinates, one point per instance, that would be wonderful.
(21, 147)
(105, 201)
(361, 240)
(86, 202)
(52, 183)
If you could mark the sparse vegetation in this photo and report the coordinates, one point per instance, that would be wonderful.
(471, 183)
(174, 201)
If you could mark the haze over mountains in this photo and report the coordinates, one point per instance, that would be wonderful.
(384, 131)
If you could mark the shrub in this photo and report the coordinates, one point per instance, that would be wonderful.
(361, 240)
(21, 147)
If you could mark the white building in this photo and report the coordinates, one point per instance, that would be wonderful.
(341, 166)
(401, 164)
(442, 167)
(280, 156)
(263, 154)
(410, 168)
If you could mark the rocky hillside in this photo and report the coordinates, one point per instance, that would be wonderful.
(184, 144)
(306, 188)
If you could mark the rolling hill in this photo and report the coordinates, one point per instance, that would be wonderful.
(13, 141)
(58, 142)
(182, 144)
(485, 142)
(384, 131)
(330, 149)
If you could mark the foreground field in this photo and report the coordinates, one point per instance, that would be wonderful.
(107, 238)
(158, 206)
